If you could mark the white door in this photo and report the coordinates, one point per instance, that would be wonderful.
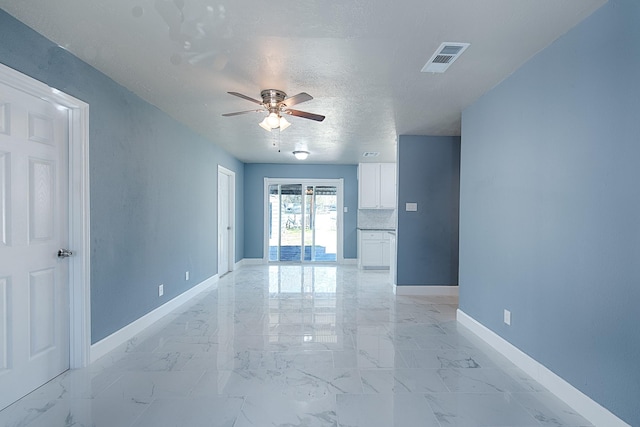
(34, 281)
(224, 226)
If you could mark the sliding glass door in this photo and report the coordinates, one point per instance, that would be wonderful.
(302, 221)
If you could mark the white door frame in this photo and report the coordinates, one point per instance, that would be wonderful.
(338, 183)
(232, 215)
(79, 263)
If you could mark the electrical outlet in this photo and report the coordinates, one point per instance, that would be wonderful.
(186, 275)
(507, 317)
(160, 290)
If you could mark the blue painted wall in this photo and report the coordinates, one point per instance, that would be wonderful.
(153, 186)
(427, 240)
(550, 206)
(255, 174)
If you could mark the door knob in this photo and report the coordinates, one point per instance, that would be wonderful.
(64, 253)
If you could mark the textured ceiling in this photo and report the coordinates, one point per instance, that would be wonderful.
(359, 59)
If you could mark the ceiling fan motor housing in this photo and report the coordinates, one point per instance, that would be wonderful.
(272, 97)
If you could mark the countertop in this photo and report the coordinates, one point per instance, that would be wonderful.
(376, 229)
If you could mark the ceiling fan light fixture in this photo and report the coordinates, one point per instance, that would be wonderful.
(265, 125)
(273, 120)
(284, 124)
(301, 155)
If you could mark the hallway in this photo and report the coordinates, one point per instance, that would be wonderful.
(319, 345)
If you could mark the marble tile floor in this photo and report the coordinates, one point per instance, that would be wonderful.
(299, 345)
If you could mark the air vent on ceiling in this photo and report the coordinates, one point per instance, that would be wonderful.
(443, 57)
(370, 154)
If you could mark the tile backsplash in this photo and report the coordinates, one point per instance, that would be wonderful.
(377, 218)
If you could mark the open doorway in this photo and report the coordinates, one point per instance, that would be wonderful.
(303, 220)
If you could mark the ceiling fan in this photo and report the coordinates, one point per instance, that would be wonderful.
(276, 103)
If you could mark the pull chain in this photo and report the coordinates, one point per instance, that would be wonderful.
(276, 143)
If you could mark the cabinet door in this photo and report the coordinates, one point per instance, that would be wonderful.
(392, 259)
(368, 185)
(388, 185)
(371, 253)
(386, 253)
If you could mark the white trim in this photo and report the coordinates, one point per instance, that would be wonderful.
(126, 333)
(79, 209)
(425, 290)
(349, 261)
(337, 182)
(232, 215)
(581, 403)
(79, 220)
(251, 261)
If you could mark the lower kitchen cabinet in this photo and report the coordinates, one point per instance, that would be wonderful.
(373, 249)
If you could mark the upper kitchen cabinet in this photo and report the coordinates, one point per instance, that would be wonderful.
(377, 186)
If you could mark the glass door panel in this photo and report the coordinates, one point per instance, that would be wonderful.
(285, 222)
(309, 235)
(274, 222)
(291, 222)
(321, 233)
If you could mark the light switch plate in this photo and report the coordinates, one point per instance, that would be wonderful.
(411, 207)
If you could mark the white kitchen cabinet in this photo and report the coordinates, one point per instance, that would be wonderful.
(387, 185)
(392, 257)
(386, 250)
(373, 249)
(368, 185)
(377, 186)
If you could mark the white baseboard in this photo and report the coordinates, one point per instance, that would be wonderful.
(123, 335)
(425, 290)
(580, 402)
(253, 261)
(260, 261)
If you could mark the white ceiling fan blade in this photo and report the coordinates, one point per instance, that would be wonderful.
(242, 112)
(297, 99)
(245, 97)
(305, 115)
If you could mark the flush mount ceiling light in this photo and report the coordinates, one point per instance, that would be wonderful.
(276, 103)
(301, 155)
